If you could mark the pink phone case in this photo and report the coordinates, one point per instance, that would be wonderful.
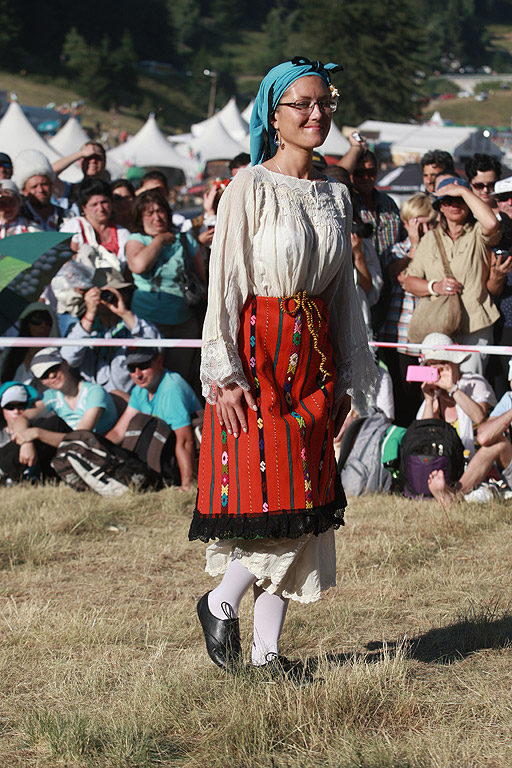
(422, 373)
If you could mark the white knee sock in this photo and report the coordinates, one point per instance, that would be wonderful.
(269, 615)
(224, 600)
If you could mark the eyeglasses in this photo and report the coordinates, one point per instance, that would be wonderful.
(132, 367)
(483, 184)
(504, 196)
(360, 172)
(15, 406)
(306, 107)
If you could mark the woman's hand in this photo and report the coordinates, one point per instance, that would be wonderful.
(232, 402)
(500, 267)
(340, 412)
(28, 455)
(447, 286)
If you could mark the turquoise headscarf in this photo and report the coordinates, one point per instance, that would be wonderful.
(272, 87)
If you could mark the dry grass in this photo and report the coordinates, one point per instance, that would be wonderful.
(102, 660)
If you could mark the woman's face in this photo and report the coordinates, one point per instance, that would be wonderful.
(98, 210)
(154, 220)
(9, 205)
(300, 129)
(39, 323)
(455, 210)
(56, 377)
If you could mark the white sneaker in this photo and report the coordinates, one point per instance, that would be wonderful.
(481, 494)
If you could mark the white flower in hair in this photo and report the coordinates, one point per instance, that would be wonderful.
(334, 91)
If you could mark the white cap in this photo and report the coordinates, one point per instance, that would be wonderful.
(504, 185)
(15, 394)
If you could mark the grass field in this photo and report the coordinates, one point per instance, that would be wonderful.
(102, 659)
(496, 112)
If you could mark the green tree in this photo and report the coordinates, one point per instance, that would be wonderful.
(380, 45)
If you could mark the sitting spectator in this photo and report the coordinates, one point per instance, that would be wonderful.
(461, 400)
(5, 166)
(95, 228)
(123, 198)
(31, 460)
(493, 436)
(108, 317)
(418, 217)
(501, 264)
(483, 171)
(433, 163)
(467, 228)
(166, 395)
(39, 321)
(157, 180)
(93, 160)
(80, 404)
(35, 176)
(12, 222)
(155, 254)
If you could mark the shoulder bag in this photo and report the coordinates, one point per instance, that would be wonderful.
(436, 314)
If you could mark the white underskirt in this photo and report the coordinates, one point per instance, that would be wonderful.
(299, 569)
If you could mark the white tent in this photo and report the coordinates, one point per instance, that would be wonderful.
(246, 114)
(460, 141)
(436, 119)
(215, 143)
(70, 138)
(17, 134)
(383, 132)
(149, 147)
(335, 143)
(230, 119)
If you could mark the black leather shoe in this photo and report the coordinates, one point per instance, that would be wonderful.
(222, 637)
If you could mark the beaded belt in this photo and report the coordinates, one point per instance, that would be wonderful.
(308, 305)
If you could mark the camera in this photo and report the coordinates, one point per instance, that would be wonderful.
(362, 229)
(108, 297)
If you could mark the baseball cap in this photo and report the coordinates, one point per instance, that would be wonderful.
(45, 359)
(136, 355)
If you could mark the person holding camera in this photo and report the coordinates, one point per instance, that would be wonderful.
(108, 315)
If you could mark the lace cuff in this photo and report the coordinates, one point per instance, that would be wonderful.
(220, 366)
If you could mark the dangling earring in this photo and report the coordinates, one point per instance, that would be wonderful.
(277, 140)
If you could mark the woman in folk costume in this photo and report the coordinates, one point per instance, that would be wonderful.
(283, 343)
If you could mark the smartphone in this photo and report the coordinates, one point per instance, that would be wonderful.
(357, 136)
(422, 373)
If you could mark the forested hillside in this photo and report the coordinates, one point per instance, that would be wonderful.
(98, 47)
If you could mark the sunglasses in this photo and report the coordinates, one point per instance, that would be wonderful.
(360, 172)
(504, 196)
(39, 319)
(453, 201)
(132, 367)
(15, 406)
(483, 185)
(51, 372)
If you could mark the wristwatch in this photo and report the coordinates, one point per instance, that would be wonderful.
(453, 389)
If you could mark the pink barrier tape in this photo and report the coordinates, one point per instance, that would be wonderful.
(27, 341)
(416, 348)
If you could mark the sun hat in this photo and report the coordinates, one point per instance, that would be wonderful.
(110, 278)
(441, 340)
(272, 87)
(14, 392)
(440, 198)
(7, 185)
(31, 162)
(503, 185)
(46, 358)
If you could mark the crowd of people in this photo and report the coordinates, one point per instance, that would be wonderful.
(289, 271)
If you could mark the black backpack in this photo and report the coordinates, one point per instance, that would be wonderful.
(429, 444)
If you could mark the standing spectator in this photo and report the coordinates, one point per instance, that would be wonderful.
(12, 222)
(483, 171)
(468, 228)
(5, 166)
(123, 199)
(96, 228)
(433, 163)
(35, 176)
(155, 255)
(93, 161)
(418, 217)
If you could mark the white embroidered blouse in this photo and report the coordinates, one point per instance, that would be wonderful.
(277, 235)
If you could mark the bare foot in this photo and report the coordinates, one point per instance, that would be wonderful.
(438, 488)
